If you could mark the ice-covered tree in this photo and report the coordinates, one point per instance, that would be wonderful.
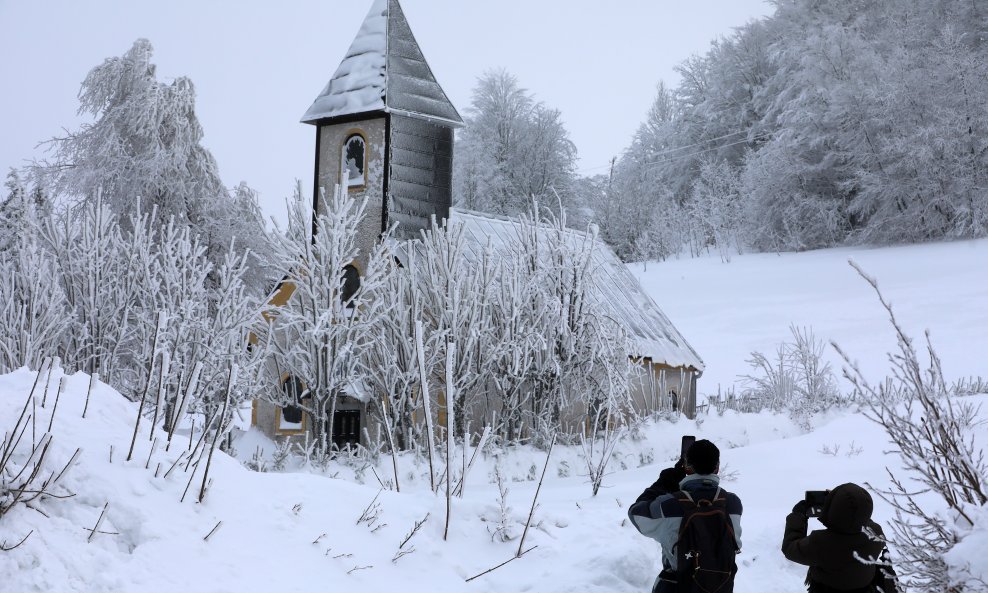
(715, 206)
(99, 268)
(192, 320)
(512, 149)
(322, 334)
(392, 363)
(581, 357)
(452, 289)
(144, 150)
(34, 319)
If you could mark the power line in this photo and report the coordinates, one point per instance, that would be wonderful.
(678, 148)
(684, 156)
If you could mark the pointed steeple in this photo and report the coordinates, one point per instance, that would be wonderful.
(384, 70)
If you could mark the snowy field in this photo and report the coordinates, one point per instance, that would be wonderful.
(287, 532)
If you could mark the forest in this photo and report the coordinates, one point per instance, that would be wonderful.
(828, 123)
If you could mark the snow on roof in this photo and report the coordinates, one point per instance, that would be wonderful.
(653, 335)
(384, 70)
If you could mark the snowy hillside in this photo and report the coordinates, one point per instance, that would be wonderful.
(728, 310)
(291, 532)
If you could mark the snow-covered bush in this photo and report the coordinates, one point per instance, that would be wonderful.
(934, 435)
(27, 473)
(33, 310)
(796, 379)
(322, 334)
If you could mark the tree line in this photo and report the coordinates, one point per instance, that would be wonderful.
(824, 124)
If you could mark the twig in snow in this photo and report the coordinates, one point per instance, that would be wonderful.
(356, 568)
(147, 387)
(154, 443)
(54, 363)
(316, 541)
(415, 529)
(372, 512)
(212, 531)
(450, 407)
(58, 396)
(34, 508)
(192, 476)
(180, 409)
(3, 544)
(467, 467)
(502, 564)
(94, 378)
(101, 532)
(219, 430)
(536, 497)
(177, 461)
(166, 362)
(424, 384)
(379, 481)
(98, 522)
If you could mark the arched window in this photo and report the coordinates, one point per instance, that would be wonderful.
(293, 388)
(354, 161)
(351, 283)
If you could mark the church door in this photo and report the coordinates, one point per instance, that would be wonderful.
(346, 428)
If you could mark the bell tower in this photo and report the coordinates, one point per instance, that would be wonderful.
(385, 127)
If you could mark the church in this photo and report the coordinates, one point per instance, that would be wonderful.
(386, 128)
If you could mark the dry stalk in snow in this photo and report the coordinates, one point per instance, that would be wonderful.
(99, 522)
(212, 531)
(372, 512)
(536, 497)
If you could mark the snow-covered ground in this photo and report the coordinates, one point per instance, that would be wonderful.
(728, 310)
(300, 532)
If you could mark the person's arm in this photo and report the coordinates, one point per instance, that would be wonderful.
(734, 510)
(667, 483)
(646, 512)
(796, 546)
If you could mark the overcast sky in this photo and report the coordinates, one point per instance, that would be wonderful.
(257, 65)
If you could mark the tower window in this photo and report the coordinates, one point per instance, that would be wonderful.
(354, 170)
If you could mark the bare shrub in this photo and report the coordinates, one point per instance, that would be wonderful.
(933, 434)
(26, 473)
(796, 379)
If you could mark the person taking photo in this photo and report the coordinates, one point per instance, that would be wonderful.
(849, 555)
(697, 523)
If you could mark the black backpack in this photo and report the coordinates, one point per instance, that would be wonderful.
(706, 546)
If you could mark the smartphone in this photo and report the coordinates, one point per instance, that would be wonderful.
(814, 500)
(688, 441)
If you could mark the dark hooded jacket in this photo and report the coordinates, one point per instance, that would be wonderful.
(830, 553)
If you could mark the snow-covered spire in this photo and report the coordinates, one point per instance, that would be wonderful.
(384, 70)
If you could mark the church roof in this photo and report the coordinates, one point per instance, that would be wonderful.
(615, 289)
(384, 70)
